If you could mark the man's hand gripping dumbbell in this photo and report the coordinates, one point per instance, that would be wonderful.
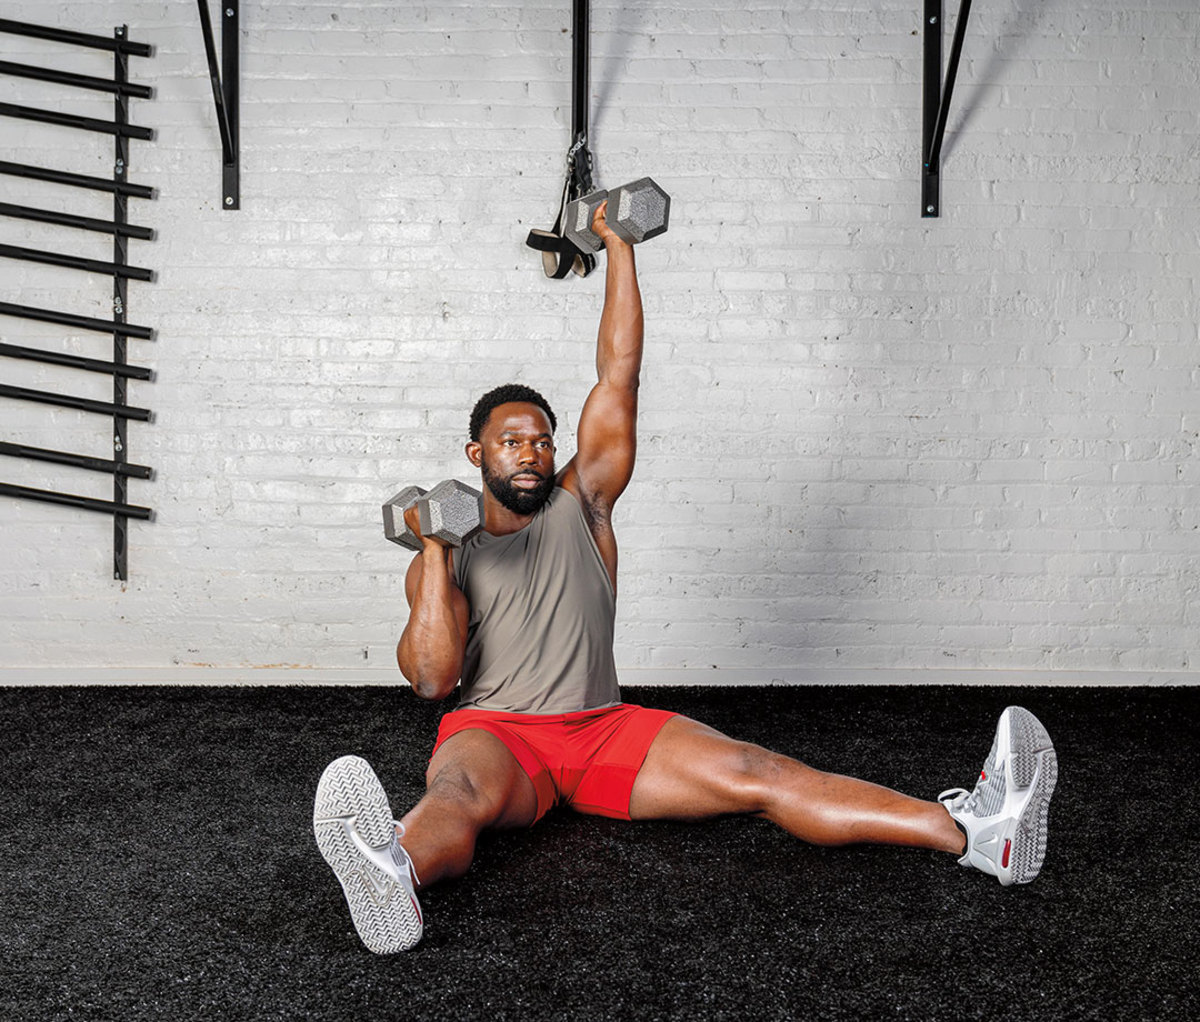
(451, 513)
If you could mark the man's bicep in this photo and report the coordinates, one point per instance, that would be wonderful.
(607, 440)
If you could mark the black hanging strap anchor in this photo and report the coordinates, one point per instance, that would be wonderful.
(937, 99)
(225, 95)
(560, 256)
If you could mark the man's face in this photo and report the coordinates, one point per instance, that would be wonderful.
(516, 455)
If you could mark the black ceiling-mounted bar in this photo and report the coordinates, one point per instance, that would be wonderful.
(64, 35)
(936, 96)
(83, 223)
(63, 177)
(30, 113)
(580, 76)
(72, 500)
(104, 326)
(224, 83)
(49, 74)
(62, 358)
(76, 460)
(82, 404)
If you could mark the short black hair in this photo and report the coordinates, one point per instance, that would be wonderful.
(503, 395)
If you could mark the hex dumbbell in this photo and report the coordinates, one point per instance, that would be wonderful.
(637, 212)
(451, 512)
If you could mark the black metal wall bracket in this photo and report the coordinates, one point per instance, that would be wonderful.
(936, 106)
(225, 95)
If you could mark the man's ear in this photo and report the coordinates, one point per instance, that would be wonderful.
(474, 451)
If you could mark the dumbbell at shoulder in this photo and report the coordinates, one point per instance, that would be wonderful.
(451, 512)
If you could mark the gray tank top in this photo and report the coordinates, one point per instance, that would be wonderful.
(540, 634)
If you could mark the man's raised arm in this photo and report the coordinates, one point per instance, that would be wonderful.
(607, 434)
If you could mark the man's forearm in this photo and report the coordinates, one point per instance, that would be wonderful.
(619, 345)
(430, 651)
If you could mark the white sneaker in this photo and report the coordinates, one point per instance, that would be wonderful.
(357, 835)
(1005, 817)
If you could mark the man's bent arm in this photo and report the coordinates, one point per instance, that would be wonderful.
(430, 651)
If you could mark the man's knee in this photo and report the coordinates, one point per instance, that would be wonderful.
(480, 797)
(753, 775)
(455, 786)
(475, 777)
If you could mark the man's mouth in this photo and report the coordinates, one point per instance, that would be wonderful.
(526, 480)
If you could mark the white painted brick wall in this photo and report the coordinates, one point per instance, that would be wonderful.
(873, 446)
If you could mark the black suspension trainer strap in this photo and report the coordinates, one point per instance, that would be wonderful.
(560, 256)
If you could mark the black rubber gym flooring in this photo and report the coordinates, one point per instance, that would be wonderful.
(157, 863)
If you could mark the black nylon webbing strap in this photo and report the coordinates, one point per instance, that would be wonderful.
(560, 256)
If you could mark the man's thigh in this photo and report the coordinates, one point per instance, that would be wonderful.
(476, 770)
(694, 772)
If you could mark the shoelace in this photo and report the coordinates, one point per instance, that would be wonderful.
(956, 798)
(400, 855)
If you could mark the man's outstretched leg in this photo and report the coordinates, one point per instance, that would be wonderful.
(693, 772)
(473, 783)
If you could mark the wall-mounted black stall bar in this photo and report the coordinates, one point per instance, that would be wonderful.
(63, 358)
(32, 113)
(65, 177)
(119, 269)
(36, 255)
(104, 326)
(111, 507)
(83, 223)
(75, 460)
(49, 74)
(83, 404)
(117, 44)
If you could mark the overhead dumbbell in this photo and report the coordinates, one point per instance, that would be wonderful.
(451, 512)
(637, 212)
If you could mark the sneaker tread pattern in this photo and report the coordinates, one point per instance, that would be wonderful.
(382, 911)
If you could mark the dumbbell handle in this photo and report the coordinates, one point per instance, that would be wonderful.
(578, 221)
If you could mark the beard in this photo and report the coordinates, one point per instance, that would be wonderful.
(518, 501)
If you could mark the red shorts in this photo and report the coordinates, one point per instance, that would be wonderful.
(586, 760)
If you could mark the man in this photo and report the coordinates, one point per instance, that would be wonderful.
(522, 615)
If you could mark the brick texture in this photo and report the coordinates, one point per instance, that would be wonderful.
(871, 443)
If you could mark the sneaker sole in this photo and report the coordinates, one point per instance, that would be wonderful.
(350, 800)
(1033, 772)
